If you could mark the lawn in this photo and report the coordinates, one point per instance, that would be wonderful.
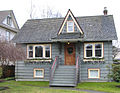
(100, 86)
(39, 87)
(31, 87)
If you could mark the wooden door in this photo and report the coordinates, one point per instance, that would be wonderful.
(69, 54)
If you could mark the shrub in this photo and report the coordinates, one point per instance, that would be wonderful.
(116, 72)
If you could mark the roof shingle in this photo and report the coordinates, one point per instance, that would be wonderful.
(95, 28)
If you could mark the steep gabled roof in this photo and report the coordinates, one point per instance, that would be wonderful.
(95, 28)
(69, 13)
(3, 16)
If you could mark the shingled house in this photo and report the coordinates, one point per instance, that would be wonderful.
(8, 25)
(65, 51)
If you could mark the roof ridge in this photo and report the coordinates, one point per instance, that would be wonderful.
(75, 17)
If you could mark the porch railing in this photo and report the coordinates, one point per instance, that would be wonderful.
(77, 71)
(53, 68)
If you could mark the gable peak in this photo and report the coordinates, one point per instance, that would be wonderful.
(70, 17)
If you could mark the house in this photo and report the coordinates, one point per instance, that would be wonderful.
(65, 51)
(8, 25)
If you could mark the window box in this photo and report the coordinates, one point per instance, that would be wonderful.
(38, 73)
(93, 73)
(38, 60)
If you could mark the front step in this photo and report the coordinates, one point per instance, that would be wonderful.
(64, 76)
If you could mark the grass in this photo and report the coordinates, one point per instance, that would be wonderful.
(100, 86)
(31, 87)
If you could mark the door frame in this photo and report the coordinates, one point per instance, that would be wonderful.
(73, 44)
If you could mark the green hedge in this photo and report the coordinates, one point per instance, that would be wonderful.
(116, 72)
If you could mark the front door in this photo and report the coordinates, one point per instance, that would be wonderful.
(69, 54)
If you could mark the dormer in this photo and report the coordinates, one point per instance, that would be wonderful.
(70, 24)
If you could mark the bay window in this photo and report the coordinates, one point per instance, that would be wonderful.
(39, 51)
(93, 50)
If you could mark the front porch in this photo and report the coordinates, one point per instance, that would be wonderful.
(66, 66)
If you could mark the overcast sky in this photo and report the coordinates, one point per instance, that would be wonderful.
(22, 8)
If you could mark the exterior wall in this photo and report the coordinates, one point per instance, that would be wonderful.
(24, 71)
(104, 71)
(3, 33)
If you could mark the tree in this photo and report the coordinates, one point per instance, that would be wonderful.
(9, 53)
(37, 12)
(115, 51)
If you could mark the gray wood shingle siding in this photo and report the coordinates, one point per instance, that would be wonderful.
(24, 71)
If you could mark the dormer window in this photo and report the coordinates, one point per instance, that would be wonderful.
(70, 26)
(9, 20)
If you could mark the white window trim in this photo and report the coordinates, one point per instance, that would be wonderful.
(93, 50)
(73, 27)
(93, 69)
(34, 45)
(35, 73)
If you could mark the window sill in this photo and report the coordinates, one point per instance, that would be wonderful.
(93, 59)
(38, 60)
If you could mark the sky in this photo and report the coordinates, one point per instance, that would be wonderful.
(22, 8)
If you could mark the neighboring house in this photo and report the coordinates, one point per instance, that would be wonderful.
(117, 56)
(67, 50)
(8, 25)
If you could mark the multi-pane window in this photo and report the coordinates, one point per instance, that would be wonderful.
(39, 51)
(70, 26)
(93, 73)
(39, 73)
(93, 50)
(7, 35)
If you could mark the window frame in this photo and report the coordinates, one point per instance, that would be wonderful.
(9, 20)
(7, 36)
(93, 50)
(34, 45)
(34, 73)
(68, 25)
(93, 69)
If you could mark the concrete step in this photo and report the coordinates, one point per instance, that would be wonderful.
(63, 82)
(64, 85)
(63, 79)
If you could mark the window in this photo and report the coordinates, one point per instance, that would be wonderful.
(39, 73)
(39, 51)
(9, 20)
(70, 26)
(93, 73)
(47, 51)
(89, 50)
(98, 50)
(30, 51)
(93, 50)
(7, 35)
